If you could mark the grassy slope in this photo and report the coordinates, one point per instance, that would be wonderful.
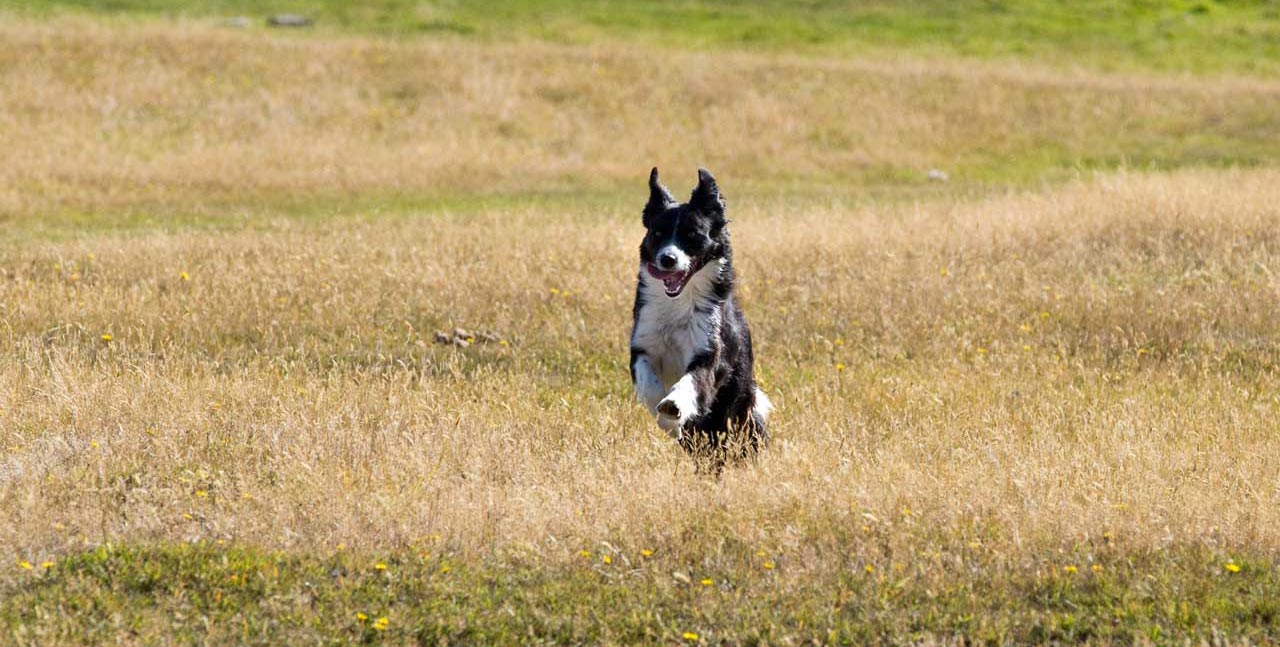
(236, 595)
(1159, 415)
(142, 125)
(1000, 389)
(1195, 36)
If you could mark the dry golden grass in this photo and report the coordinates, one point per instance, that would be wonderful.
(1035, 370)
(186, 117)
(1016, 373)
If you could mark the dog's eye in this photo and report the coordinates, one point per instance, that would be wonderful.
(697, 242)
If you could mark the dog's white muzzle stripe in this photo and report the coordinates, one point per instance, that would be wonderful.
(682, 259)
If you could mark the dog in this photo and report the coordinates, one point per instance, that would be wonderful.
(691, 354)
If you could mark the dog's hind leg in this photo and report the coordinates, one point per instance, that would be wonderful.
(760, 409)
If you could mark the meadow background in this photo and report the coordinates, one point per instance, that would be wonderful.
(1033, 403)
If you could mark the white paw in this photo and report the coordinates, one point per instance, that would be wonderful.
(763, 405)
(668, 422)
(679, 406)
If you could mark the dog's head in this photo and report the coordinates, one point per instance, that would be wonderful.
(682, 238)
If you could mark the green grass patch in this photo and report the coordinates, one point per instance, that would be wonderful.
(267, 212)
(1186, 35)
(239, 595)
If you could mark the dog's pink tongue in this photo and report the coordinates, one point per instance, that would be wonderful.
(671, 280)
(660, 274)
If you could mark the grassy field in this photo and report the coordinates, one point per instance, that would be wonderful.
(1200, 36)
(1033, 404)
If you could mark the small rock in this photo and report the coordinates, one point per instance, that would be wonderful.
(462, 338)
(937, 175)
(239, 22)
(289, 20)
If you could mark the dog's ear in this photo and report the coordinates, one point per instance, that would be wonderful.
(706, 196)
(659, 197)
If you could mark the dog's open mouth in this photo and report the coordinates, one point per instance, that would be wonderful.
(674, 281)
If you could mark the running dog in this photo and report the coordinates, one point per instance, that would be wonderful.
(691, 359)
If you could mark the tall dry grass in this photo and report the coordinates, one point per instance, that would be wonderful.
(1026, 372)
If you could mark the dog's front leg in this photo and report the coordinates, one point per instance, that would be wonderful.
(649, 389)
(690, 396)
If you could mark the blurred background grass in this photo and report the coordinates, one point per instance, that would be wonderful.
(1195, 36)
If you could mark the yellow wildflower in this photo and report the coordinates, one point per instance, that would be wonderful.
(380, 566)
(647, 553)
(1071, 570)
(839, 367)
(689, 635)
(361, 617)
(203, 494)
(606, 559)
(184, 276)
(380, 624)
(869, 568)
(25, 565)
(584, 553)
(1232, 567)
(106, 338)
(706, 581)
(1096, 568)
(768, 566)
(46, 564)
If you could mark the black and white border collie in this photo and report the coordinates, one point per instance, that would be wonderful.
(691, 360)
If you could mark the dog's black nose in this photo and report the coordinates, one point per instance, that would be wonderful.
(666, 260)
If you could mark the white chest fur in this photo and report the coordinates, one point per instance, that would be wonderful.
(671, 330)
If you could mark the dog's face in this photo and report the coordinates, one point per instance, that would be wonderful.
(682, 238)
